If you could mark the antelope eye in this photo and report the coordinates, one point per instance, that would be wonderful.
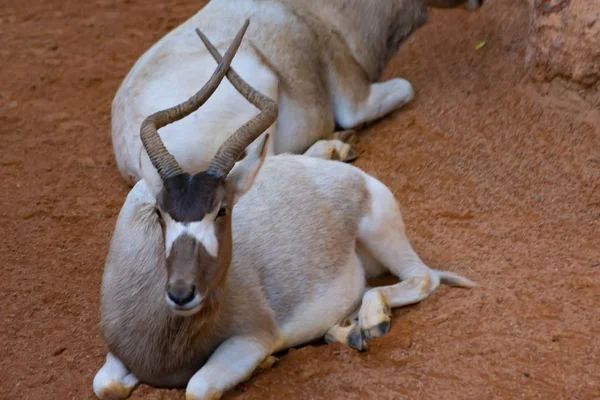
(222, 212)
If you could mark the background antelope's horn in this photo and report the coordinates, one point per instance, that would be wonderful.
(162, 160)
(231, 150)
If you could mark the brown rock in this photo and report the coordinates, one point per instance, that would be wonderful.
(564, 40)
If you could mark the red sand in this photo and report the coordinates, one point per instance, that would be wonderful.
(498, 178)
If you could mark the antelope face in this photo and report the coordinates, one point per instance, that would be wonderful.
(196, 220)
(195, 210)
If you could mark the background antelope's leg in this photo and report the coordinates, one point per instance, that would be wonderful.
(303, 124)
(356, 100)
(332, 150)
(305, 115)
(113, 381)
(234, 361)
(349, 136)
(381, 99)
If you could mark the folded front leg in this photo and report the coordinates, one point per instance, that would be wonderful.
(233, 362)
(114, 381)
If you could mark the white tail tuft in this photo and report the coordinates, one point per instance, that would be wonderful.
(452, 279)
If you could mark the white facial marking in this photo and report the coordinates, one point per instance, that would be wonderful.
(203, 231)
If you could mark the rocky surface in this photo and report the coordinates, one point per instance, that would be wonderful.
(564, 40)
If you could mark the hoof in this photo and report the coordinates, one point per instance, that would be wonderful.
(266, 364)
(474, 5)
(378, 330)
(211, 395)
(349, 136)
(334, 154)
(113, 391)
(356, 340)
(375, 315)
(351, 156)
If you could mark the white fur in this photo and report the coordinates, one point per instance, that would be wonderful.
(232, 362)
(204, 130)
(113, 379)
(382, 231)
(203, 231)
(286, 54)
(383, 98)
(335, 301)
(269, 271)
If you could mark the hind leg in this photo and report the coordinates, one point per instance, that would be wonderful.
(382, 234)
(306, 125)
(355, 99)
(305, 118)
(114, 381)
(380, 100)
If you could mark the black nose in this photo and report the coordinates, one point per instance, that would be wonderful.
(181, 298)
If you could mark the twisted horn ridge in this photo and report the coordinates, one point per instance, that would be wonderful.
(232, 149)
(163, 161)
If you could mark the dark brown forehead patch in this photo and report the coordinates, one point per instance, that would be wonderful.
(188, 198)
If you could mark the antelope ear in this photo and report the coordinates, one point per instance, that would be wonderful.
(150, 174)
(242, 176)
(155, 186)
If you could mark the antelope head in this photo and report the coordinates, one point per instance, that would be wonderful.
(195, 210)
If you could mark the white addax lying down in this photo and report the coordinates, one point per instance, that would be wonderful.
(210, 274)
(318, 60)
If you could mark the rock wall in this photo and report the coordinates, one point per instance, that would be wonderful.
(564, 40)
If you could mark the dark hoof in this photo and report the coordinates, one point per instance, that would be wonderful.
(335, 156)
(382, 329)
(349, 136)
(352, 155)
(356, 340)
(474, 5)
(377, 331)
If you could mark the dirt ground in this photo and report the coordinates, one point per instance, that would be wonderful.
(498, 178)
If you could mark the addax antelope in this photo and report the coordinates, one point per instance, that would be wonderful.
(318, 60)
(209, 274)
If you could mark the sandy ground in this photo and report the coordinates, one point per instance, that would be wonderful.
(498, 178)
